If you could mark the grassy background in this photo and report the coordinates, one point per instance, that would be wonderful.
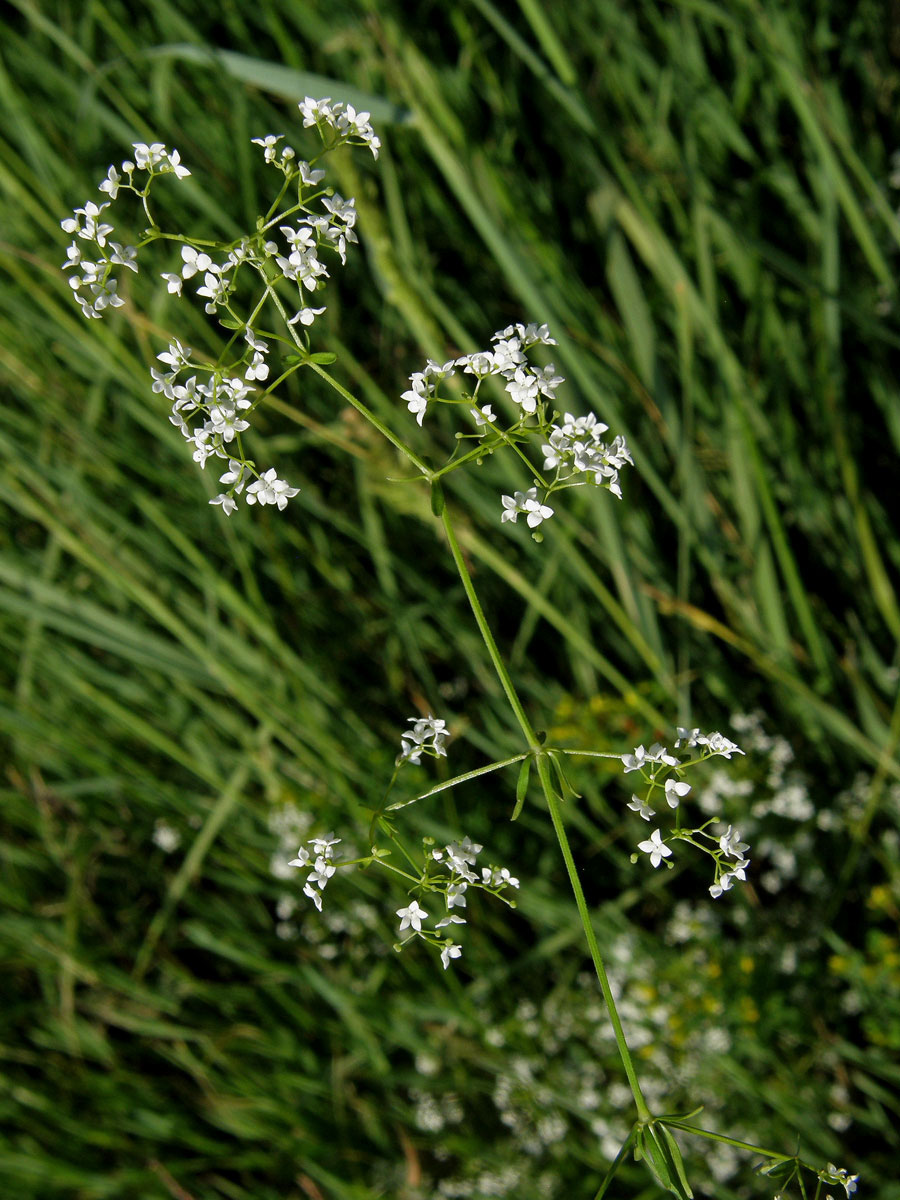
(697, 197)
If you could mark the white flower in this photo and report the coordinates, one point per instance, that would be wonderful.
(173, 283)
(269, 489)
(176, 356)
(111, 183)
(321, 872)
(675, 789)
(450, 950)
(641, 758)
(215, 289)
(412, 916)
(655, 847)
(528, 504)
(465, 851)
(636, 804)
(427, 733)
(452, 919)
(417, 403)
(833, 1174)
(479, 364)
(456, 895)
(309, 890)
(324, 845)
(269, 144)
(717, 744)
(483, 416)
(723, 885)
(194, 261)
(305, 316)
(690, 737)
(302, 859)
(498, 877)
(528, 334)
(307, 175)
(730, 843)
(229, 504)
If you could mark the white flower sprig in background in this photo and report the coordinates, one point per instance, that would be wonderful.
(449, 871)
(572, 446)
(662, 773)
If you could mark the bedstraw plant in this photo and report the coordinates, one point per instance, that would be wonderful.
(262, 289)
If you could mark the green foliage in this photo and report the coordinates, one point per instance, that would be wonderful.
(696, 198)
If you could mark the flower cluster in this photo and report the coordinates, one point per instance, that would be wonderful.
(223, 402)
(212, 413)
(573, 448)
(576, 448)
(320, 865)
(94, 283)
(526, 384)
(428, 735)
(450, 871)
(662, 772)
(350, 125)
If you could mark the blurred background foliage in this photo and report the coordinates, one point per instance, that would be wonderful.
(700, 200)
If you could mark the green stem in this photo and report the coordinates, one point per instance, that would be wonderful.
(550, 796)
(485, 630)
(552, 799)
(373, 420)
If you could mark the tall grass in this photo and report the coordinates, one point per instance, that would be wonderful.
(696, 198)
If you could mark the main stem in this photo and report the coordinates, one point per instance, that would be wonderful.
(552, 800)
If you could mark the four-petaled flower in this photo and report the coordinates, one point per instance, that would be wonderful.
(675, 789)
(525, 502)
(655, 847)
(450, 950)
(641, 807)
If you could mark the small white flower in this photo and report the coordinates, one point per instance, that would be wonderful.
(194, 261)
(717, 744)
(302, 859)
(675, 789)
(316, 897)
(412, 916)
(269, 144)
(305, 316)
(229, 504)
(655, 847)
(833, 1174)
(528, 504)
(641, 807)
(483, 416)
(324, 845)
(723, 885)
(730, 843)
(417, 396)
(452, 919)
(111, 183)
(450, 950)
(321, 872)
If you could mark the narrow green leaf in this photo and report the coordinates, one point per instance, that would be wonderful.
(522, 786)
